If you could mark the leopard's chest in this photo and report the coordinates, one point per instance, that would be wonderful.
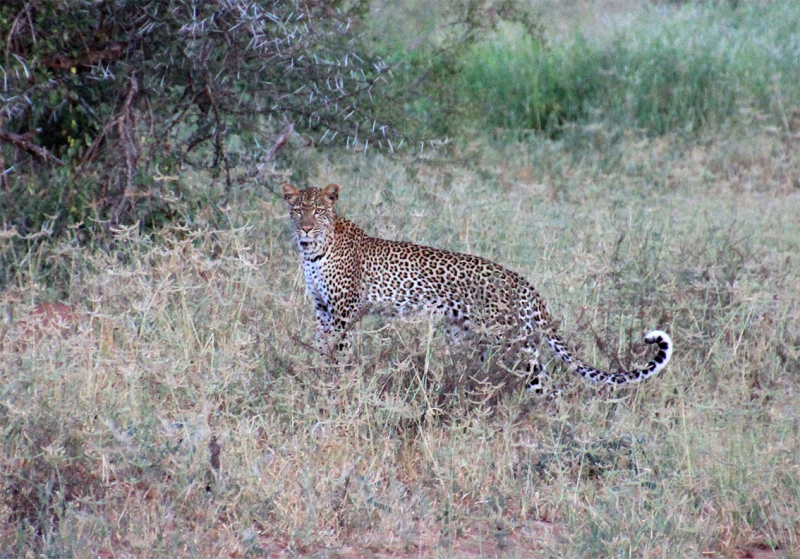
(320, 280)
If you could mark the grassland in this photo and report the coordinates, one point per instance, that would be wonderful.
(181, 412)
(661, 70)
(177, 409)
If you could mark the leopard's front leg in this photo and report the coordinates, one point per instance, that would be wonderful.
(325, 328)
(333, 328)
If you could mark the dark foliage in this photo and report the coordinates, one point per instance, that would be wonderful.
(119, 95)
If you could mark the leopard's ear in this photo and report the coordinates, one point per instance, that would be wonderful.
(290, 193)
(330, 193)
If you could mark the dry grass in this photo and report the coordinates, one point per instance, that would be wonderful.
(180, 412)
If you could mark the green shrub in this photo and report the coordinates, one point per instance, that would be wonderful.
(122, 94)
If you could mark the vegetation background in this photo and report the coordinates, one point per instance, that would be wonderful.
(638, 162)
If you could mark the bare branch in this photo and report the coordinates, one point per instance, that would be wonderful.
(282, 138)
(127, 133)
(23, 141)
(219, 149)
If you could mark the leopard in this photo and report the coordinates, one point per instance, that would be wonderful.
(349, 274)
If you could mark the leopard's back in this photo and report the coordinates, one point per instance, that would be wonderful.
(414, 278)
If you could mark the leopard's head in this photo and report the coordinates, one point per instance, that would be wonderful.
(312, 213)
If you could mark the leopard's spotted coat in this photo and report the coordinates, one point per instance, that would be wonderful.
(347, 272)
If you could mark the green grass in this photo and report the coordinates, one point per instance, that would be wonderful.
(182, 413)
(667, 69)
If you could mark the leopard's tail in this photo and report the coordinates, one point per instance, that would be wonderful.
(659, 361)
